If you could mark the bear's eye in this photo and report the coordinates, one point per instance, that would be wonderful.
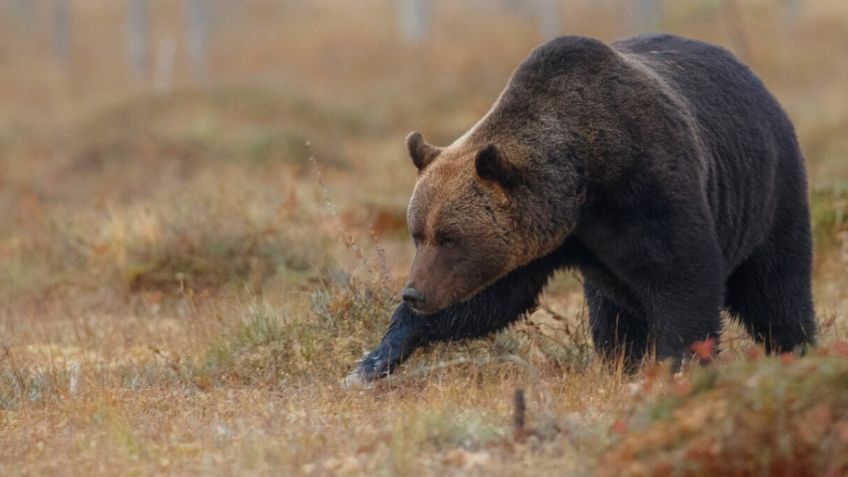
(446, 240)
(417, 238)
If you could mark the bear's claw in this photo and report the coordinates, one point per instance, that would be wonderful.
(371, 368)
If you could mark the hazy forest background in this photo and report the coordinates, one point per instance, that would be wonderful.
(202, 227)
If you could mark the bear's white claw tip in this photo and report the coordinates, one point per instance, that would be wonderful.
(353, 381)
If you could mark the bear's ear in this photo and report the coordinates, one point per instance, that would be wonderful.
(421, 153)
(492, 165)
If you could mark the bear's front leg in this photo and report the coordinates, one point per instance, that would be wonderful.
(667, 258)
(677, 327)
(487, 312)
(404, 335)
(683, 298)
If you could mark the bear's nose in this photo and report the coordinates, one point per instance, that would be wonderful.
(412, 296)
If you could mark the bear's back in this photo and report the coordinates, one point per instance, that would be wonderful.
(702, 119)
(755, 167)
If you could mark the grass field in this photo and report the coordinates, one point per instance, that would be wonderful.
(187, 275)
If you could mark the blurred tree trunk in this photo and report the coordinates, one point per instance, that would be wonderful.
(61, 32)
(792, 12)
(414, 17)
(24, 11)
(137, 38)
(550, 21)
(197, 26)
(736, 28)
(163, 74)
(649, 16)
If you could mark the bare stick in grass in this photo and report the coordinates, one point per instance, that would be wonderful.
(519, 429)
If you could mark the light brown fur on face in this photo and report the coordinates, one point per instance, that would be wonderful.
(464, 231)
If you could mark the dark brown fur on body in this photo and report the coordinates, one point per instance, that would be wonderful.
(659, 167)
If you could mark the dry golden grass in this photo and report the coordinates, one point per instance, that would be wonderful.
(182, 289)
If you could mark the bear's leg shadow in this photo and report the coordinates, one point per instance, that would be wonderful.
(770, 293)
(490, 310)
(616, 333)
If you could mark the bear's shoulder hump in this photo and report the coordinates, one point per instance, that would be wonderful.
(566, 53)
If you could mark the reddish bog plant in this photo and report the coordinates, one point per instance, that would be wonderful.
(761, 416)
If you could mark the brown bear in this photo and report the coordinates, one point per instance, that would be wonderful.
(659, 167)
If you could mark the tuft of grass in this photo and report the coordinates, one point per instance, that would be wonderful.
(204, 261)
(440, 431)
(264, 348)
(829, 215)
(274, 346)
(21, 386)
(249, 124)
(208, 234)
(119, 429)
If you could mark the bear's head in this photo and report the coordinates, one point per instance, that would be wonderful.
(476, 214)
(521, 180)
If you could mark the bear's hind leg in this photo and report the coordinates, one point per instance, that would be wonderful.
(616, 334)
(770, 293)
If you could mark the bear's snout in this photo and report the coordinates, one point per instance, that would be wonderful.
(413, 297)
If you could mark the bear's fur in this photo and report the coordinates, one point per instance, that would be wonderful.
(659, 167)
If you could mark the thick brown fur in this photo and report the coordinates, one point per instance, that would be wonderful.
(659, 167)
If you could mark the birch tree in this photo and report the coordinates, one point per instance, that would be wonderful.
(60, 40)
(414, 17)
(550, 22)
(137, 38)
(197, 29)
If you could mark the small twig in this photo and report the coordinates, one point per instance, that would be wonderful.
(7, 353)
(174, 365)
(381, 260)
(347, 238)
(570, 333)
(421, 370)
(555, 315)
(519, 429)
(737, 29)
(16, 372)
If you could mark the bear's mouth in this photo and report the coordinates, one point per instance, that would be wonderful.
(428, 311)
(431, 307)
(455, 298)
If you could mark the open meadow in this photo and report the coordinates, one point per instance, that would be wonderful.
(195, 252)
